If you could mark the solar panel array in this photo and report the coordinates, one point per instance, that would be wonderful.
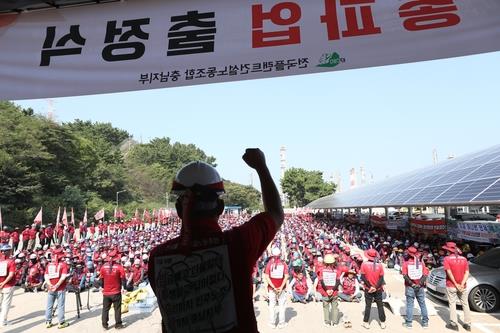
(471, 179)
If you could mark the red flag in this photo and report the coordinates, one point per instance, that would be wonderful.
(58, 216)
(120, 214)
(85, 217)
(114, 215)
(99, 215)
(136, 215)
(146, 216)
(38, 218)
(72, 216)
(65, 217)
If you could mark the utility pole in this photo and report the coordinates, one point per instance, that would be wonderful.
(117, 197)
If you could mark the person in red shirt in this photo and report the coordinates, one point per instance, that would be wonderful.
(49, 234)
(14, 237)
(138, 273)
(350, 287)
(204, 258)
(25, 234)
(32, 237)
(92, 231)
(276, 277)
(300, 289)
(7, 282)
(4, 235)
(34, 278)
(19, 274)
(329, 278)
(59, 233)
(372, 275)
(457, 273)
(112, 276)
(55, 278)
(42, 237)
(415, 274)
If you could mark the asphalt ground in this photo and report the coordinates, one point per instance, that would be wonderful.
(27, 315)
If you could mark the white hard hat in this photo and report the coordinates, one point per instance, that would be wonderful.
(275, 251)
(103, 255)
(197, 173)
(32, 256)
(127, 264)
(137, 262)
(17, 261)
(145, 256)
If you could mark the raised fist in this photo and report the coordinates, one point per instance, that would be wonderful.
(255, 158)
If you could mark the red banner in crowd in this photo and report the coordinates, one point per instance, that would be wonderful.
(430, 227)
(378, 221)
(352, 219)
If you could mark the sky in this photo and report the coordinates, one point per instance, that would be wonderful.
(387, 119)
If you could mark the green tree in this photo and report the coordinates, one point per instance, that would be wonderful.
(303, 186)
(152, 166)
(244, 196)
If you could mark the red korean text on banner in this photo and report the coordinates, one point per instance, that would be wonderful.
(429, 14)
(261, 38)
(351, 9)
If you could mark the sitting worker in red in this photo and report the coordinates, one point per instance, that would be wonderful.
(203, 279)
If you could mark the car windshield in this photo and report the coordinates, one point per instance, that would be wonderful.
(489, 258)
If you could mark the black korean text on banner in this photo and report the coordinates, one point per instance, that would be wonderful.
(61, 48)
(196, 291)
(146, 44)
(192, 33)
(129, 45)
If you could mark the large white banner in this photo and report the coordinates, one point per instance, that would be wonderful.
(147, 44)
(484, 232)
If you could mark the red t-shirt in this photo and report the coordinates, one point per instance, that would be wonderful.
(112, 277)
(276, 269)
(138, 273)
(348, 285)
(458, 266)
(414, 272)
(26, 234)
(6, 267)
(4, 237)
(14, 236)
(244, 245)
(34, 274)
(371, 274)
(49, 232)
(54, 272)
(300, 286)
(329, 277)
(32, 234)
